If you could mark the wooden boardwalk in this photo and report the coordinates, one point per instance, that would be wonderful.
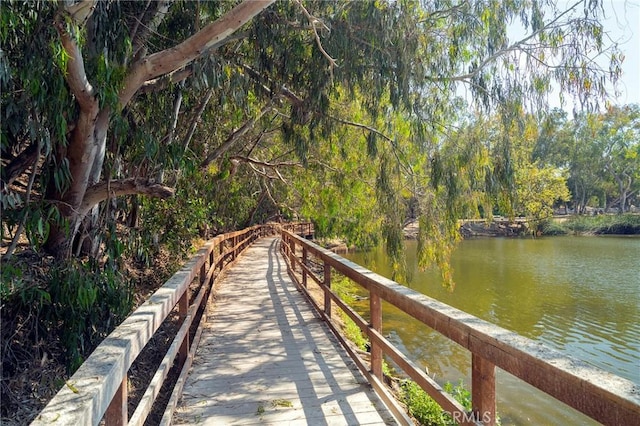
(266, 358)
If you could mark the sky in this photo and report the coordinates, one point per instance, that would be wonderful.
(623, 24)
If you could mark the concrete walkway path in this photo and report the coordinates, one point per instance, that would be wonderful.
(266, 358)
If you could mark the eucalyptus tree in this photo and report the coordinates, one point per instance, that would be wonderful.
(599, 153)
(619, 138)
(564, 144)
(101, 99)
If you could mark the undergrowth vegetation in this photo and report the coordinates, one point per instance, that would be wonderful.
(424, 409)
(624, 224)
(55, 313)
(86, 301)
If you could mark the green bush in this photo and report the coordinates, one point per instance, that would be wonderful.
(86, 302)
(625, 224)
(550, 227)
(427, 411)
(345, 289)
(421, 406)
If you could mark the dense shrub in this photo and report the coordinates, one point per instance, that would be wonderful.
(625, 224)
(87, 302)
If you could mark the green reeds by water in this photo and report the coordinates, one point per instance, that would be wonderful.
(624, 224)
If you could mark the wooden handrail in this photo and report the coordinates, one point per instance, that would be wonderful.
(607, 398)
(98, 389)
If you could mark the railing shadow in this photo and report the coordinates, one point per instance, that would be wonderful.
(280, 287)
(269, 350)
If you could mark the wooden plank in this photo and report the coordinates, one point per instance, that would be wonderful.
(116, 414)
(326, 284)
(483, 390)
(375, 309)
(90, 390)
(153, 390)
(269, 350)
(177, 390)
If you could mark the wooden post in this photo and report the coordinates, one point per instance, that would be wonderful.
(375, 309)
(203, 272)
(304, 271)
(327, 286)
(116, 414)
(292, 253)
(183, 308)
(233, 248)
(222, 258)
(483, 390)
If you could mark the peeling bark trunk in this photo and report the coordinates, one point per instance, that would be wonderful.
(81, 154)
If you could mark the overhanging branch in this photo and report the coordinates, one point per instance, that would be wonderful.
(118, 188)
(234, 137)
(177, 57)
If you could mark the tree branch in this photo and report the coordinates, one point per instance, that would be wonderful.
(82, 11)
(242, 159)
(16, 237)
(75, 75)
(518, 45)
(196, 118)
(118, 188)
(234, 137)
(315, 23)
(175, 58)
(19, 165)
(295, 99)
(163, 82)
(264, 173)
(361, 126)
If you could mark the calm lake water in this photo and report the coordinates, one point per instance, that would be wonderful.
(579, 295)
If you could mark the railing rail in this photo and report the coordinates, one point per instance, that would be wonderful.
(305, 229)
(602, 396)
(98, 389)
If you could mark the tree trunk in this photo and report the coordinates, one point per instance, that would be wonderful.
(81, 154)
(87, 146)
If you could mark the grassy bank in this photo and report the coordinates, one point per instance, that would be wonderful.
(625, 224)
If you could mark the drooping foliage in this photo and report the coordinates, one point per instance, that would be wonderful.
(278, 73)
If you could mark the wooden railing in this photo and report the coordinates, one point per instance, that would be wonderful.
(304, 229)
(99, 388)
(604, 397)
